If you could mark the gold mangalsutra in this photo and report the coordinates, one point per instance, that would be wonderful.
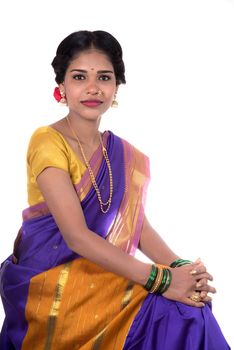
(106, 204)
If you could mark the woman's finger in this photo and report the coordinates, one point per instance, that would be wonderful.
(202, 282)
(202, 285)
(205, 297)
(198, 269)
(203, 294)
(206, 288)
(200, 275)
(191, 302)
(198, 263)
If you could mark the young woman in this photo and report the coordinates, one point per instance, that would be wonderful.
(72, 281)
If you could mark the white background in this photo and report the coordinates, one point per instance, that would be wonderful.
(177, 107)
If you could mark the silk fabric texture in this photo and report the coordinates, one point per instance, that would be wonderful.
(55, 299)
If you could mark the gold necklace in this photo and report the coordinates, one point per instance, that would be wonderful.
(106, 204)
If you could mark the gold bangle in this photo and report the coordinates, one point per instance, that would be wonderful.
(158, 281)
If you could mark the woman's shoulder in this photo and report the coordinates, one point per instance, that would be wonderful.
(46, 149)
(46, 135)
(46, 130)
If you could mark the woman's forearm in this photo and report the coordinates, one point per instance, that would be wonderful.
(154, 247)
(111, 258)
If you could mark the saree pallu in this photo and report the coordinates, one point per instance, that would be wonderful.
(55, 299)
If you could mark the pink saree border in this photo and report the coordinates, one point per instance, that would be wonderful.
(126, 229)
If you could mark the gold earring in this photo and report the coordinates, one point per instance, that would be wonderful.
(63, 99)
(114, 103)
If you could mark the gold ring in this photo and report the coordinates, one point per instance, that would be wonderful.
(196, 296)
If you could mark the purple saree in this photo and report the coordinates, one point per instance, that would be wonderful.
(157, 323)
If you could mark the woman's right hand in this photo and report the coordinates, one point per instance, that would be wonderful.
(188, 279)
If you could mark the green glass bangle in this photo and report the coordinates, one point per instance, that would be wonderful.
(153, 275)
(168, 281)
(161, 287)
(180, 262)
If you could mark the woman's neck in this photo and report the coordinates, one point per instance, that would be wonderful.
(86, 130)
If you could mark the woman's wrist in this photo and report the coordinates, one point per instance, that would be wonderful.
(159, 279)
(141, 272)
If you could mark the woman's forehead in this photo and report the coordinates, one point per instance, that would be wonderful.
(91, 59)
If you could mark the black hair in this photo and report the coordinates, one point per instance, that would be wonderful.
(82, 40)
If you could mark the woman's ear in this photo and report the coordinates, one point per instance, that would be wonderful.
(61, 88)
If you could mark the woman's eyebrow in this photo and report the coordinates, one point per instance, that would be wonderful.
(105, 71)
(85, 71)
(79, 70)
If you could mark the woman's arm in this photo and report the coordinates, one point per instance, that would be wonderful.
(154, 247)
(63, 203)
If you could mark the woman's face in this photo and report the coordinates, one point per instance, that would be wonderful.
(89, 84)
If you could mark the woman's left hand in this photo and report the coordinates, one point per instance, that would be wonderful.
(190, 285)
(200, 274)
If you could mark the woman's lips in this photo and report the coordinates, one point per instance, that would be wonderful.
(91, 103)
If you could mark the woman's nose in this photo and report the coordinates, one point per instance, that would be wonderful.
(92, 88)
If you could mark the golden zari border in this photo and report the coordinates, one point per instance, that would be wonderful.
(59, 289)
(98, 342)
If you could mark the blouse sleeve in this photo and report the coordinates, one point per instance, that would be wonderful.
(46, 149)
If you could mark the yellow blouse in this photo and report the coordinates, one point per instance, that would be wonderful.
(48, 148)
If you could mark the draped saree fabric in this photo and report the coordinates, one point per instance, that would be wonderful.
(55, 299)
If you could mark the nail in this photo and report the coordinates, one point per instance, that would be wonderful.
(193, 272)
(198, 285)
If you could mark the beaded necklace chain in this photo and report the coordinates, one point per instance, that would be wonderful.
(106, 204)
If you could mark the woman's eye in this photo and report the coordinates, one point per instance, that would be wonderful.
(104, 77)
(79, 77)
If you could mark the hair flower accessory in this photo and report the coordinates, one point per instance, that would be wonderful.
(57, 94)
